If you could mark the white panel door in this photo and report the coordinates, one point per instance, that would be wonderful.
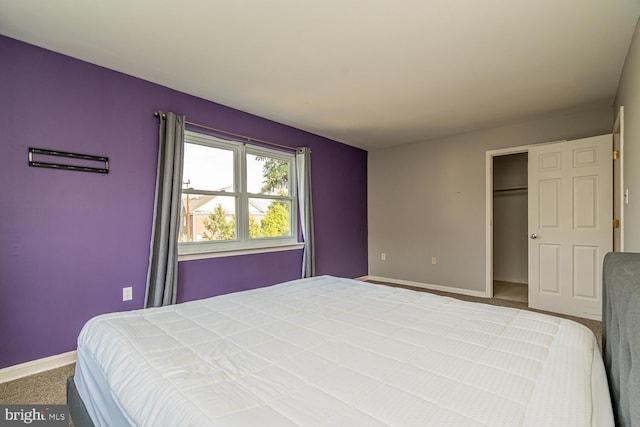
(570, 224)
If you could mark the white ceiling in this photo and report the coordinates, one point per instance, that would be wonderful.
(370, 73)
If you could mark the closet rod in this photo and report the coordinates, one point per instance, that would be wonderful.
(237, 135)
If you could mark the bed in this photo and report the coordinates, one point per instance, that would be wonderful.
(328, 351)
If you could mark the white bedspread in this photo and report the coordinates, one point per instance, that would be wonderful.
(337, 352)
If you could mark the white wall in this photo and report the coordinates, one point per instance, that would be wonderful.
(629, 97)
(428, 199)
(510, 219)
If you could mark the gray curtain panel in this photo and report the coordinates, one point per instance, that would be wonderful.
(303, 169)
(162, 277)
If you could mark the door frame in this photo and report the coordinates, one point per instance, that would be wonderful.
(489, 155)
(618, 179)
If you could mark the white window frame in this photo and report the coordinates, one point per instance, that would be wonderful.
(243, 244)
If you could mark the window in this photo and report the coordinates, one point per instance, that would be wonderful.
(235, 196)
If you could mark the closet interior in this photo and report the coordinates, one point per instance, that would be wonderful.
(510, 216)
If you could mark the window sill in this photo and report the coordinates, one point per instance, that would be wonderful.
(190, 256)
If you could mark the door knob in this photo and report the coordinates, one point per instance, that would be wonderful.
(534, 236)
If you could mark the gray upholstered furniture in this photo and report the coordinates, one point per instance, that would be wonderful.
(621, 335)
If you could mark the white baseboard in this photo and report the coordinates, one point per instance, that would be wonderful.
(452, 290)
(362, 278)
(15, 372)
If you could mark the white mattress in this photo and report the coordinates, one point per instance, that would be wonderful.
(335, 352)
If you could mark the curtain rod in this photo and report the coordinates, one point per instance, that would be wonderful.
(248, 138)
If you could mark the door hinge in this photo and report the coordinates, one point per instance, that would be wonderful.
(616, 154)
(616, 223)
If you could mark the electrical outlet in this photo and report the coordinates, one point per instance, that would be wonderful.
(383, 256)
(434, 261)
(127, 293)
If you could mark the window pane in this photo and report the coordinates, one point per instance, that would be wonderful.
(207, 168)
(205, 217)
(269, 218)
(267, 175)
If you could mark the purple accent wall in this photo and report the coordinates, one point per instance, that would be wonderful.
(70, 241)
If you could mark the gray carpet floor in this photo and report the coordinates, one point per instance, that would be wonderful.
(511, 291)
(49, 387)
(45, 388)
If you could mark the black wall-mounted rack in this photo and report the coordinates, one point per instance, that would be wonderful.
(68, 155)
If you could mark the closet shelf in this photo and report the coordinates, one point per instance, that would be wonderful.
(510, 189)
